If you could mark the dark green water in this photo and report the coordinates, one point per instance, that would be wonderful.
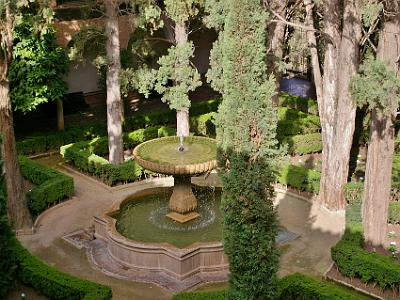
(144, 219)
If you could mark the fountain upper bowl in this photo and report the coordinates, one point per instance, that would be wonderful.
(162, 155)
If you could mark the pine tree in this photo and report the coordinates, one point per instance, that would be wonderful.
(247, 149)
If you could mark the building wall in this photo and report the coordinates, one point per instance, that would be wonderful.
(82, 77)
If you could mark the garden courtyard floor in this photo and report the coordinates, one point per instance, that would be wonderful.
(309, 254)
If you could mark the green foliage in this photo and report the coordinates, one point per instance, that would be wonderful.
(217, 295)
(82, 157)
(203, 125)
(182, 11)
(37, 67)
(52, 141)
(376, 85)
(300, 178)
(294, 122)
(176, 67)
(353, 261)
(306, 105)
(250, 227)
(303, 143)
(294, 286)
(53, 283)
(248, 151)
(7, 257)
(139, 136)
(51, 186)
(298, 286)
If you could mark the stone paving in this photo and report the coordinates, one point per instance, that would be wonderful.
(310, 254)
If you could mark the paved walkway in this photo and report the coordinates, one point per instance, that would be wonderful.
(310, 253)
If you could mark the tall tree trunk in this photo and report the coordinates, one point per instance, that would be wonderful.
(18, 212)
(182, 115)
(336, 108)
(276, 35)
(60, 115)
(378, 175)
(338, 119)
(114, 112)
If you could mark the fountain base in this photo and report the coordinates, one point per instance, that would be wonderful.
(183, 202)
(183, 218)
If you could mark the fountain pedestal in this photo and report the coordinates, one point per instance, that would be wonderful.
(183, 202)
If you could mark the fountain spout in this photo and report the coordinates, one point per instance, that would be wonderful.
(181, 148)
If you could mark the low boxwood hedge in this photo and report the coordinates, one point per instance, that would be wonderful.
(300, 178)
(295, 286)
(294, 122)
(353, 261)
(53, 283)
(52, 141)
(303, 143)
(306, 105)
(50, 188)
(81, 156)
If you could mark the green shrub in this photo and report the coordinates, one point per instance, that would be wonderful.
(306, 105)
(164, 131)
(53, 283)
(52, 141)
(81, 156)
(298, 286)
(294, 286)
(300, 178)
(217, 295)
(203, 124)
(294, 122)
(394, 212)
(51, 185)
(353, 261)
(303, 144)
(139, 136)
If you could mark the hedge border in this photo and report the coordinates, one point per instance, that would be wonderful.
(53, 283)
(51, 186)
(294, 286)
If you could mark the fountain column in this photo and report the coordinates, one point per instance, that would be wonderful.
(183, 202)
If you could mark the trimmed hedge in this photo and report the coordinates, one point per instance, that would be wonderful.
(203, 125)
(51, 185)
(353, 261)
(52, 141)
(300, 178)
(81, 156)
(294, 286)
(306, 105)
(298, 286)
(294, 122)
(303, 144)
(53, 283)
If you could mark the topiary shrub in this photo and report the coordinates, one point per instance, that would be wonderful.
(298, 286)
(306, 105)
(300, 178)
(53, 283)
(294, 122)
(303, 143)
(353, 261)
(51, 185)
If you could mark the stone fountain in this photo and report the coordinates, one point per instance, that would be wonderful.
(182, 158)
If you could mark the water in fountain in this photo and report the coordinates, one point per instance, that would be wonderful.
(144, 219)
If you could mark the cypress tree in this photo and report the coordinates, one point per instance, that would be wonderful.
(248, 153)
